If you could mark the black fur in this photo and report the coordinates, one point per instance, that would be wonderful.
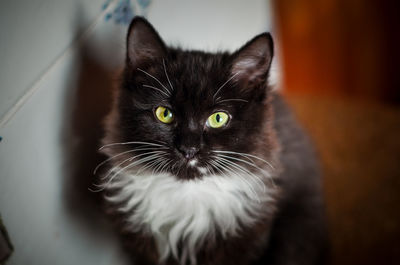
(259, 124)
(192, 100)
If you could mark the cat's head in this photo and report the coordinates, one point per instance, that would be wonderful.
(191, 113)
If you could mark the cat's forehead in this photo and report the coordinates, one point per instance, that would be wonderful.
(196, 77)
(198, 64)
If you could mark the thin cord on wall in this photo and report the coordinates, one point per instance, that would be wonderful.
(28, 94)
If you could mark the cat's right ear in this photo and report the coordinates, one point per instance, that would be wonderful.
(252, 62)
(144, 45)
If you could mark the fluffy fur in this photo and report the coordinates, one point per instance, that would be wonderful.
(186, 193)
(191, 212)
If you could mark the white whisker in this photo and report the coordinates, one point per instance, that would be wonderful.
(217, 167)
(105, 161)
(130, 159)
(244, 161)
(161, 162)
(210, 168)
(126, 152)
(219, 89)
(126, 143)
(135, 163)
(226, 167)
(151, 163)
(155, 88)
(166, 74)
(163, 165)
(244, 170)
(157, 164)
(117, 166)
(245, 155)
(231, 99)
(143, 71)
(251, 162)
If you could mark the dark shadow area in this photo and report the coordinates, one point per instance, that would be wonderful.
(88, 99)
(86, 109)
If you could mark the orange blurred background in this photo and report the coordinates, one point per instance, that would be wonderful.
(346, 47)
(340, 62)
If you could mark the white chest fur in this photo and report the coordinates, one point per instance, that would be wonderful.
(190, 211)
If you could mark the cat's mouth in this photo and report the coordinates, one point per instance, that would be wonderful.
(190, 169)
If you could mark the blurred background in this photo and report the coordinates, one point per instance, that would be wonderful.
(340, 74)
(336, 65)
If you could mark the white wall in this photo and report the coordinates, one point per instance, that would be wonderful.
(62, 91)
(33, 34)
(210, 24)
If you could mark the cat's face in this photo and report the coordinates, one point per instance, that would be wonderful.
(191, 114)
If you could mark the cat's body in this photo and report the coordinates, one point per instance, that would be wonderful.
(223, 175)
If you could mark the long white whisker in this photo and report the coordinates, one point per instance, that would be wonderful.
(132, 142)
(163, 165)
(217, 166)
(166, 74)
(232, 99)
(179, 169)
(152, 162)
(126, 152)
(130, 159)
(245, 155)
(244, 161)
(140, 161)
(160, 162)
(216, 93)
(227, 168)
(218, 152)
(156, 146)
(210, 168)
(244, 170)
(266, 173)
(117, 166)
(102, 186)
(143, 71)
(157, 166)
(108, 159)
(159, 90)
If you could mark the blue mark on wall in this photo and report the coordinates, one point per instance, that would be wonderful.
(144, 3)
(125, 10)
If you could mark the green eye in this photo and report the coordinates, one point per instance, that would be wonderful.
(164, 115)
(217, 119)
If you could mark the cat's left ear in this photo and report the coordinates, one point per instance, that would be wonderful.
(144, 45)
(252, 62)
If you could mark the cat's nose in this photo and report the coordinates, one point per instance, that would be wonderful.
(188, 152)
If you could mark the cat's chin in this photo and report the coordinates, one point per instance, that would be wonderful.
(190, 170)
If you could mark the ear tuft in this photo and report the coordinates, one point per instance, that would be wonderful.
(251, 63)
(144, 45)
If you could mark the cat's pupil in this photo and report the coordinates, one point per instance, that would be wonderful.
(165, 113)
(218, 118)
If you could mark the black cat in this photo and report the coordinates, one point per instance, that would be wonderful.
(206, 165)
